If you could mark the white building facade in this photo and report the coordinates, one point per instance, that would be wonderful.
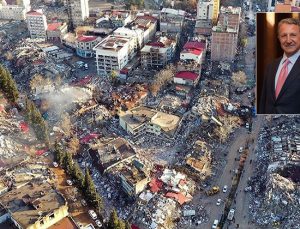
(37, 24)
(113, 53)
(79, 11)
(14, 12)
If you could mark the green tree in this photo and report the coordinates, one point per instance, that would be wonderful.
(113, 222)
(77, 175)
(89, 187)
(68, 163)
(8, 85)
(127, 225)
(59, 155)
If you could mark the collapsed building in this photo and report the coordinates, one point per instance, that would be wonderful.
(142, 119)
(109, 154)
(275, 194)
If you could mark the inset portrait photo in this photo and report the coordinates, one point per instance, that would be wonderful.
(278, 63)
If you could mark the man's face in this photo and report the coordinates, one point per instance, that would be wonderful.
(289, 37)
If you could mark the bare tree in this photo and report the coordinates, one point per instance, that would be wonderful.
(38, 82)
(239, 78)
(58, 81)
(162, 78)
(66, 124)
(73, 145)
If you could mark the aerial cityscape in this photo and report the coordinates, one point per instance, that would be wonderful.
(141, 114)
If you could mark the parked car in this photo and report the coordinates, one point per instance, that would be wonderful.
(93, 214)
(55, 164)
(69, 182)
(219, 202)
(98, 223)
(225, 188)
(231, 214)
(83, 202)
(215, 224)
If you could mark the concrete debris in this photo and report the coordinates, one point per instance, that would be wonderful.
(274, 188)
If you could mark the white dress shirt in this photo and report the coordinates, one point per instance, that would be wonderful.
(292, 59)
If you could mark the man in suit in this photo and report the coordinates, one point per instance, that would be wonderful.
(281, 84)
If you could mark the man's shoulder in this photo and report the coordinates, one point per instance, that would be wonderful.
(275, 63)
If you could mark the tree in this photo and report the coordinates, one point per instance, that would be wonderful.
(58, 81)
(127, 225)
(77, 175)
(89, 187)
(239, 78)
(36, 82)
(73, 145)
(8, 85)
(66, 124)
(113, 222)
(68, 162)
(161, 79)
(113, 76)
(59, 155)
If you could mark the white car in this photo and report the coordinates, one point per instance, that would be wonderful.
(83, 202)
(98, 223)
(55, 164)
(69, 182)
(93, 214)
(215, 224)
(219, 202)
(231, 214)
(225, 188)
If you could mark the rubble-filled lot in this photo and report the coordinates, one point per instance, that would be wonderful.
(274, 187)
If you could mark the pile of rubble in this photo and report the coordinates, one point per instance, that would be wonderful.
(276, 191)
(160, 212)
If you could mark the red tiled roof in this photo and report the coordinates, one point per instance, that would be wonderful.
(194, 45)
(179, 197)
(193, 51)
(155, 185)
(86, 38)
(40, 152)
(187, 75)
(65, 223)
(24, 126)
(89, 137)
(156, 44)
(54, 26)
(35, 13)
(153, 19)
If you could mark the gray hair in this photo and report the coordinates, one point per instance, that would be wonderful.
(290, 21)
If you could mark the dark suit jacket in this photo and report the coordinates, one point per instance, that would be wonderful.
(288, 100)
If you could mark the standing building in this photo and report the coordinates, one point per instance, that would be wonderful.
(158, 53)
(56, 31)
(208, 9)
(225, 35)
(113, 53)
(142, 29)
(14, 11)
(79, 11)
(34, 205)
(85, 45)
(37, 24)
(171, 20)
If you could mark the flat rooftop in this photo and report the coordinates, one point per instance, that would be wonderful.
(112, 42)
(32, 201)
(114, 151)
(139, 115)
